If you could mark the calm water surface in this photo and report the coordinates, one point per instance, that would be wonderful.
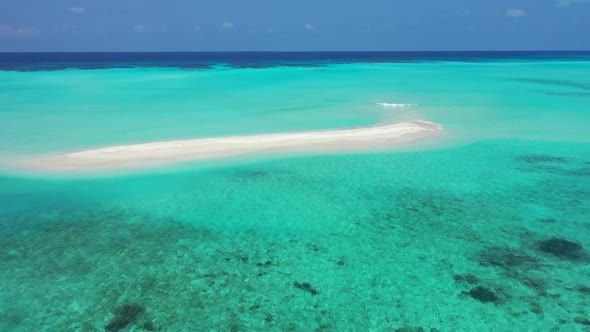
(486, 229)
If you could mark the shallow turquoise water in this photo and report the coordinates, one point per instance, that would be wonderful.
(466, 235)
(68, 109)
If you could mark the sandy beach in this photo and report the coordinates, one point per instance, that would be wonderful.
(156, 153)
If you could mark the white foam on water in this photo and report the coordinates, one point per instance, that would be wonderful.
(395, 105)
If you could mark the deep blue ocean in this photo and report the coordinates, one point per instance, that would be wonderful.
(203, 60)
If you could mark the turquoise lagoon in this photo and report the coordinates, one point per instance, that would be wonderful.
(484, 229)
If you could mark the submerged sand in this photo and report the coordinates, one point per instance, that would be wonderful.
(141, 155)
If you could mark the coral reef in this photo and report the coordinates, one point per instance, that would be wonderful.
(306, 287)
(483, 294)
(125, 315)
(563, 249)
(536, 158)
(508, 259)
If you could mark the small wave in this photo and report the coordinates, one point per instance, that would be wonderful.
(395, 105)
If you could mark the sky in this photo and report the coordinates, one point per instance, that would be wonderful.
(293, 25)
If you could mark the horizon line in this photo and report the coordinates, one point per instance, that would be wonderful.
(301, 51)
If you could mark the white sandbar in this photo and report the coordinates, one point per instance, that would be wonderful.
(140, 155)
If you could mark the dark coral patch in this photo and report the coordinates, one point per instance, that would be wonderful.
(541, 158)
(583, 289)
(538, 285)
(263, 264)
(254, 173)
(125, 315)
(148, 326)
(483, 295)
(515, 264)
(507, 259)
(579, 172)
(306, 287)
(468, 278)
(410, 329)
(563, 249)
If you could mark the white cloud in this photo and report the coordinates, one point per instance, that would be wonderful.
(7, 31)
(227, 25)
(139, 28)
(77, 10)
(567, 3)
(515, 12)
(308, 26)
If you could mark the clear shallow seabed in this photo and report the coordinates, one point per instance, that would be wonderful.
(486, 229)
